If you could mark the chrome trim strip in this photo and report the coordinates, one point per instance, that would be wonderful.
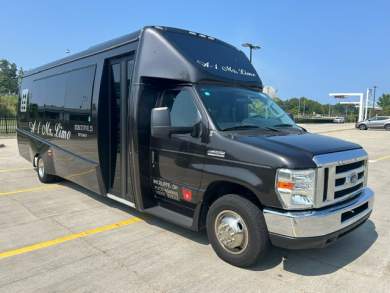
(331, 184)
(121, 200)
(216, 153)
(340, 158)
(319, 191)
(316, 222)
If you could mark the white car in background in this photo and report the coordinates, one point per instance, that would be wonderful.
(339, 120)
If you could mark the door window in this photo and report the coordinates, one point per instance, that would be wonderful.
(182, 107)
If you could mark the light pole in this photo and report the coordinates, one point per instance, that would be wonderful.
(251, 47)
(373, 104)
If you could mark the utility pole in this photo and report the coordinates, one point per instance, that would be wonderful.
(299, 107)
(373, 104)
(251, 47)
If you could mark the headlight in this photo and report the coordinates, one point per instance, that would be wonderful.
(296, 188)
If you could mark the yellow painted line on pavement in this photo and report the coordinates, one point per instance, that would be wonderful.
(37, 188)
(56, 241)
(14, 169)
(380, 159)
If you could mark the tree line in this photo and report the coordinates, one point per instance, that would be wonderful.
(306, 107)
(10, 76)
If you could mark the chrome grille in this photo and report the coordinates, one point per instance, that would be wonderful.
(340, 176)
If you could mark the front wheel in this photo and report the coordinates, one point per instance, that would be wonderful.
(237, 231)
(387, 127)
(362, 127)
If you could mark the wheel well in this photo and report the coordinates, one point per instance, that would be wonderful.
(219, 189)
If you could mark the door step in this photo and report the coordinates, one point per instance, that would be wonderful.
(170, 216)
(121, 200)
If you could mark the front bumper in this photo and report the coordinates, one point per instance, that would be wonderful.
(318, 228)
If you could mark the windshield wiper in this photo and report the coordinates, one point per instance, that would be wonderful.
(249, 126)
(283, 125)
(290, 126)
(238, 127)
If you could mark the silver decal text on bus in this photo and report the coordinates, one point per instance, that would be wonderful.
(46, 129)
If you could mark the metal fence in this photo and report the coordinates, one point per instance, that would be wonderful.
(7, 125)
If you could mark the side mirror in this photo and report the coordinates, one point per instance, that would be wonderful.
(160, 122)
(197, 129)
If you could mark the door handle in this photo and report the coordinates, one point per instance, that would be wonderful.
(153, 159)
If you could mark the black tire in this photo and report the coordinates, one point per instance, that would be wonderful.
(362, 127)
(42, 174)
(257, 241)
(387, 127)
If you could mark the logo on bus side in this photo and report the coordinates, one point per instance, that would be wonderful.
(46, 129)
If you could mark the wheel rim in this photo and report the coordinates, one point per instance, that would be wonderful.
(41, 168)
(362, 127)
(231, 231)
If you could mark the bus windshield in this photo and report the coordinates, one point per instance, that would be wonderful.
(236, 108)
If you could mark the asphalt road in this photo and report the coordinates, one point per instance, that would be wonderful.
(62, 238)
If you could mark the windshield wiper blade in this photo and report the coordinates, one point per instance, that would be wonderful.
(238, 127)
(249, 126)
(283, 125)
(271, 128)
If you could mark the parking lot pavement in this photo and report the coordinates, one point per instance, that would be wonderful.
(328, 127)
(60, 237)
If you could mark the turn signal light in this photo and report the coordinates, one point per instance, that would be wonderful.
(285, 185)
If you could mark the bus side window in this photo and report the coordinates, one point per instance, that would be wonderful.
(54, 97)
(78, 95)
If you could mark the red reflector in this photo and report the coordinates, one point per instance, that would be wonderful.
(187, 194)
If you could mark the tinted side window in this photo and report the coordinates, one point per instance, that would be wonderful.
(78, 96)
(54, 96)
(37, 101)
(182, 107)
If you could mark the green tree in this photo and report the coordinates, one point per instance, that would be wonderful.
(384, 103)
(8, 105)
(9, 78)
(310, 107)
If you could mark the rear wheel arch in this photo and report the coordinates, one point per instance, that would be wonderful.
(217, 189)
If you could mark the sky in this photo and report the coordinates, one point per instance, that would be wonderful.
(309, 48)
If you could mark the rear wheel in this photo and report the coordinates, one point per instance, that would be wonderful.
(387, 127)
(362, 127)
(237, 231)
(41, 171)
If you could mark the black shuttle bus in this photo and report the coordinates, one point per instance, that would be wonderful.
(174, 123)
